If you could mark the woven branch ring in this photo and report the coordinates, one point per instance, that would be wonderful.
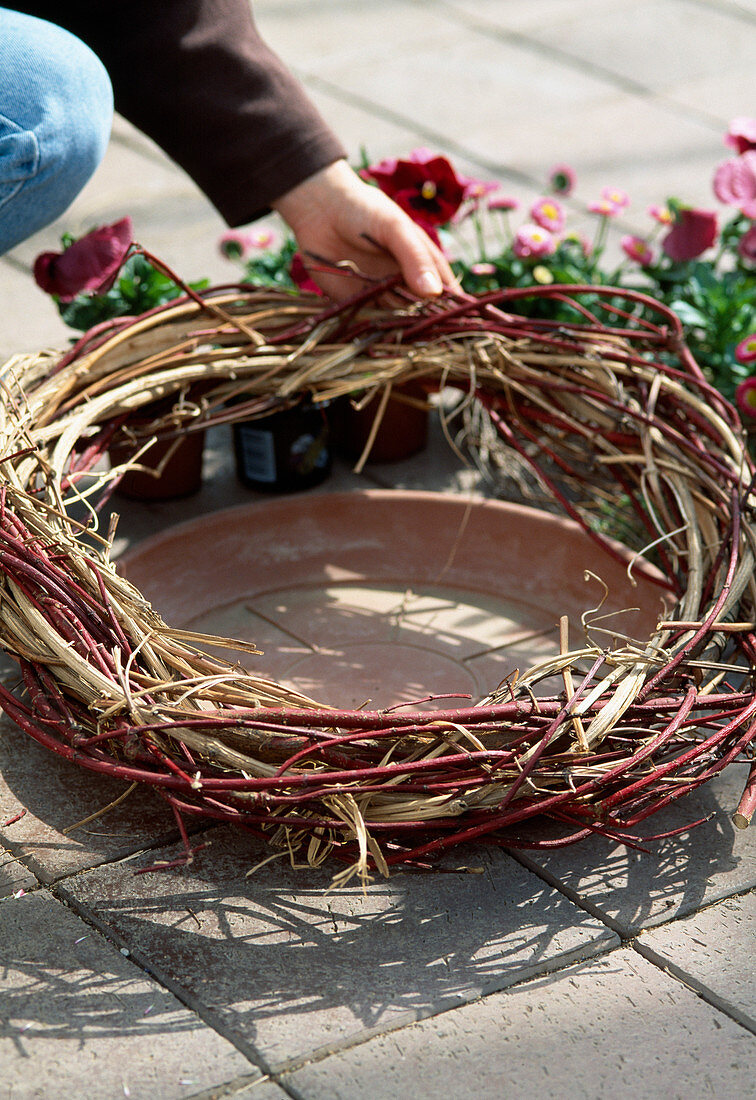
(606, 405)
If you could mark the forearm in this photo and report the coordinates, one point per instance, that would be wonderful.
(195, 76)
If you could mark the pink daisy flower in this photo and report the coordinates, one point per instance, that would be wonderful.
(503, 202)
(532, 241)
(233, 244)
(478, 189)
(661, 214)
(483, 268)
(638, 250)
(745, 352)
(604, 207)
(745, 397)
(562, 179)
(616, 196)
(549, 214)
(237, 244)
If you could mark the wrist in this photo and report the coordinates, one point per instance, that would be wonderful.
(317, 192)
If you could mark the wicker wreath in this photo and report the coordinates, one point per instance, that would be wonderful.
(609, 405)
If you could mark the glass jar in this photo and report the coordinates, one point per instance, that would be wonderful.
(286, 451)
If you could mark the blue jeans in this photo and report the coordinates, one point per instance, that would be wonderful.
(56, 110)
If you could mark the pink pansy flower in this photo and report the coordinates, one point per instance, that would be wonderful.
(549, 214)
(635, 248)
(745, 397)
(89, 265)
(742, 134)
(661, 214)
(692, 233)
(532, 241)
(735, 183)
(616, 196)
(562, 179)
(503, 202)
(745, 352)
(424, 185)
(301, 276)
(747, 246)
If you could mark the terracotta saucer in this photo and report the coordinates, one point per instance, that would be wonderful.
(386, 597)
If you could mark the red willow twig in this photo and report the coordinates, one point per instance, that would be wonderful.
(672, 737)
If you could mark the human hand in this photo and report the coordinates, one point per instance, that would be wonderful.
(337, 217)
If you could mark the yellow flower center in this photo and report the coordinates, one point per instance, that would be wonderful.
(428, 190)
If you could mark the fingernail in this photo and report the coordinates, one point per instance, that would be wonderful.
(429, 283)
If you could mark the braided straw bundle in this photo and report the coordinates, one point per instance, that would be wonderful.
(610, 406)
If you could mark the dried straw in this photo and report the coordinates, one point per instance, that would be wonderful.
(613, 403)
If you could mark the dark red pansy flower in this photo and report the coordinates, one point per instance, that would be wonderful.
(747, 246)
(89, 265)
(692, 233)
(425, 186)
(301, 276)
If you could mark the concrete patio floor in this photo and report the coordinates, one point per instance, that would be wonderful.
(591, 971)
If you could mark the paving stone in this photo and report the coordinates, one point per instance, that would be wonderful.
(589, 34)
(544, 94)
(259, 1089)
(14, 876)
(713, 951)
(30, 320)
(630, 43)
(521, 18)
(653, 147)
(56, 795)
(676, 876)
(615, 1026)
(293, 967)
(711, 41)
(718, 87)
(506, 90)
(358, 123)
(78, 1019)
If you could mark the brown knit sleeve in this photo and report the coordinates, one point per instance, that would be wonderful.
(195, 76)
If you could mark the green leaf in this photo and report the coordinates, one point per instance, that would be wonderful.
(688, 313)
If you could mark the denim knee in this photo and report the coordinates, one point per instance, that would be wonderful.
(56, 110)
